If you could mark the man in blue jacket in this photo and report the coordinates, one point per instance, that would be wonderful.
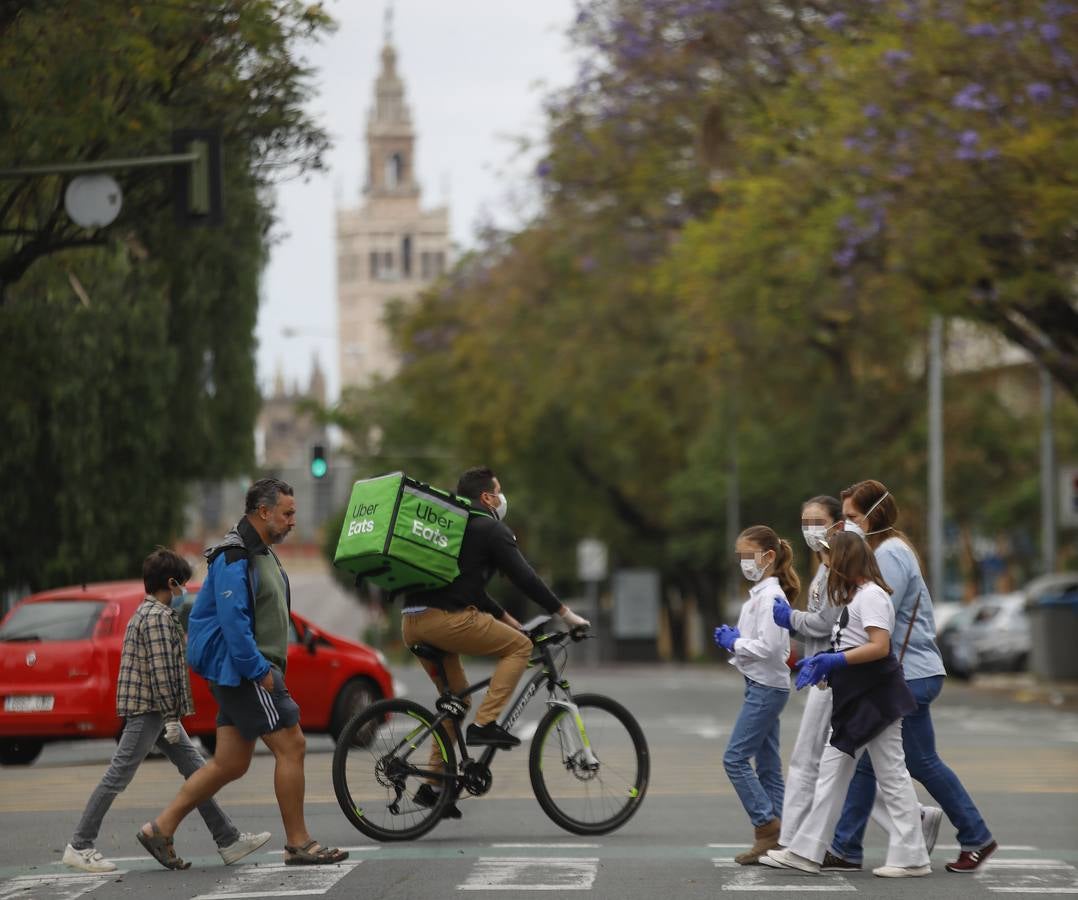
(237, 640)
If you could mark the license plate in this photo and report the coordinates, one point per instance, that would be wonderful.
(29, 703)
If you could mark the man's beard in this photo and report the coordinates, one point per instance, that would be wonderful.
(277, 537)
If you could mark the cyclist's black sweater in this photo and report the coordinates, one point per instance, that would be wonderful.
(488, 547)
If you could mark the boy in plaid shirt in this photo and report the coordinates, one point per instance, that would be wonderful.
(153, 693)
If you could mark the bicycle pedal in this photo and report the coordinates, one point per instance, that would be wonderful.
(452, 705)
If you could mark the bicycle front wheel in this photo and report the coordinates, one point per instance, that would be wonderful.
(383, 760)
(589, 776)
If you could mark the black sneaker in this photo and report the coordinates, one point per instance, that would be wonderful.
(832, 863)
(490, 735)
(427, 796)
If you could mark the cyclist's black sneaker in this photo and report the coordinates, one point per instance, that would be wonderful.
(427, 796)
(490, 735)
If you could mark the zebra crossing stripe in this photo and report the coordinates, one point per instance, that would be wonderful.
(512, 873)
(751, 879)
(253, 882)
(61, 886)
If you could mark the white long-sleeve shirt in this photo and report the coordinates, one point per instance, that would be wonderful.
(763, 648)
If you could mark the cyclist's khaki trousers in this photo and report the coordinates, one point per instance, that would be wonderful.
(474, 633)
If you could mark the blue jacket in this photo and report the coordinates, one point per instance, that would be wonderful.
(221, 643)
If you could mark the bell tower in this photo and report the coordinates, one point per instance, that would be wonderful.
(389, 248)
(390, 138)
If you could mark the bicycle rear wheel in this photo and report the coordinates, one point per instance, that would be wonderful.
(589, 777)
(381, 760)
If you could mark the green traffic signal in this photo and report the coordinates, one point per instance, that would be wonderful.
(319, 464)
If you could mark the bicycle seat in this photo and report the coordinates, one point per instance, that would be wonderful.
(427, 651)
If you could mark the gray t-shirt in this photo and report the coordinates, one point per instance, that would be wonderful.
(814, 625)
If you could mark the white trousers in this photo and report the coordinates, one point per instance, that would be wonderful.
(805, 762)
(906, 843)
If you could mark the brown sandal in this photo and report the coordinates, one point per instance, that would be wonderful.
(305, 856)
(159, 846)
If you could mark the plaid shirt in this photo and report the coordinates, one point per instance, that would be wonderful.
(153, 665)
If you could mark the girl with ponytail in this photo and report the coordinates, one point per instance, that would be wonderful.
(759, 651)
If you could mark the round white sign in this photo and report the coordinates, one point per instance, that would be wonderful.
(93, 201)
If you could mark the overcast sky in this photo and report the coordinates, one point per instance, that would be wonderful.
(475, 73)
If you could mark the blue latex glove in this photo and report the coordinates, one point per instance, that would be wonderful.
(817, 668)
(725, 637)
(780, 612)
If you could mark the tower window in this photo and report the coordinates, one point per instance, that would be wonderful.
(406, 256)
(394, 170)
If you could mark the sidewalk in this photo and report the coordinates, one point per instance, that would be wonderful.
(1024, 687)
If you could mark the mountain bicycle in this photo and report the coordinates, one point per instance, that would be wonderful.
(588, 761)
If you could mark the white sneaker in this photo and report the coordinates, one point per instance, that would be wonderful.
(787, 859)
(931, 817)
(902, 871)
(243, 845)
(89, 860)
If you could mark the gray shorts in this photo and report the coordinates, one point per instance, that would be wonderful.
(252, 709)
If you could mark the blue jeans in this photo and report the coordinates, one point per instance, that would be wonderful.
(756, 734)
(924, 764)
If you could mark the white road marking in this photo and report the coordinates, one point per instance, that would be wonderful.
(509, 873)
(1028, 876)
(754, 880)
(727, 846)
(527, 730)
(566, 846)
(1027, 864)
(59, 886)
(1026, 848)
(724, 862)
(253, 882)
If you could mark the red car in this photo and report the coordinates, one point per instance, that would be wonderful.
(60, 658)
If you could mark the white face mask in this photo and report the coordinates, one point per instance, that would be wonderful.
(852, 527)
(752, 570)
(815, 536)
(502, 508)
(857, 529)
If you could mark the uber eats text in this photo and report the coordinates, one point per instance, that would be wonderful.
(434, 535)
(362, 526)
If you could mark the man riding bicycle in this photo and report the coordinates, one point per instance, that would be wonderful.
(463, 618)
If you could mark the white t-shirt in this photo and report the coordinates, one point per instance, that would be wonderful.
(870, 607)
(763, 648)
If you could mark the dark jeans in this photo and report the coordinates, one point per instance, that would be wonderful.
(925, 765)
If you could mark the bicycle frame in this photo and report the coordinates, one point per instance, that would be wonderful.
(549, 673)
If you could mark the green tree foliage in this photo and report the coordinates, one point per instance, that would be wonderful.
(128, 369)
(750, 213)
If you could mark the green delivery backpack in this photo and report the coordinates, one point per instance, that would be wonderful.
(401, 534)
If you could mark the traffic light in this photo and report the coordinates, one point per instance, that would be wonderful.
(196, 186)
(319, 464)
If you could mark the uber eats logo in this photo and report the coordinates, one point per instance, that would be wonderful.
(362, 526)
(428, 525)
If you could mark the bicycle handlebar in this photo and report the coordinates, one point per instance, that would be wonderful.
(534, 629)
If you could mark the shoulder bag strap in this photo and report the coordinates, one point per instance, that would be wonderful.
(909, 630)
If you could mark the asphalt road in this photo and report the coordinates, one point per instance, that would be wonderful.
(1019, 762)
